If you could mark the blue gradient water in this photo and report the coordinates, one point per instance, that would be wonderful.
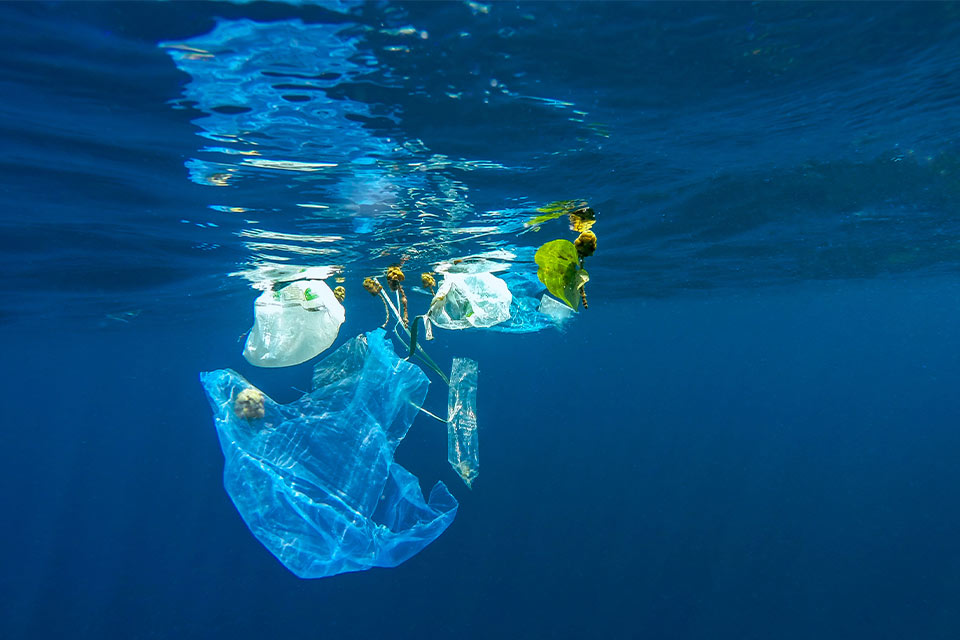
(751, 433)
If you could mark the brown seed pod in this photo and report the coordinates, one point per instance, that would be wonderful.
(394, 277)
(375, 289)
(586, 244)
(372, 286)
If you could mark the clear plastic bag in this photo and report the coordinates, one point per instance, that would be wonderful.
(463, 448)
(466, 300)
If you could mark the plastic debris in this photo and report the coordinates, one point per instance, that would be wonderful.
(558, 312)
(463, 452)
(466, 300)
(315, 480)
(293, 324)
(528, 312)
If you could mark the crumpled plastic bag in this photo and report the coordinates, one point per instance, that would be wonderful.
(531, 310)
(293, 324)
(466, 300)
(315, 480)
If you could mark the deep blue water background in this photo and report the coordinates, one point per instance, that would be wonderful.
(751, 433)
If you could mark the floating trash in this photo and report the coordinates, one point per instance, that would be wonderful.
(315, 480)
(293, 324)
(467, 300)
(463, 452)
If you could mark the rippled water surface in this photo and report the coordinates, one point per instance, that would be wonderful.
(749, 433)
(152, 152)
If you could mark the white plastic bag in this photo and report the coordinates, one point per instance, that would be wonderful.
(467, 300)
(293, 324)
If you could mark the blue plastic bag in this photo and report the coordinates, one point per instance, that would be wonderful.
(315, 480)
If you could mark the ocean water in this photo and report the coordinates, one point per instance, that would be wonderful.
(751, 433)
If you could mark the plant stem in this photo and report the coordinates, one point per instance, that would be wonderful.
(420, 352)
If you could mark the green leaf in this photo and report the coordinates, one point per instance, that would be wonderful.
(560, 271)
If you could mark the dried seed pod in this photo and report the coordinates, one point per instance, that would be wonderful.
(586, 244)
(372, 286)
(394, 277)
